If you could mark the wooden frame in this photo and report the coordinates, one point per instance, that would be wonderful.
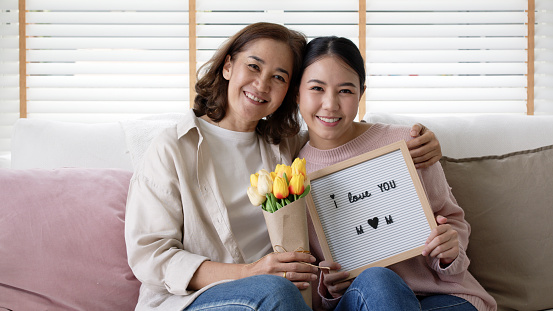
(335, 218)
(531, 44)
(22, 59)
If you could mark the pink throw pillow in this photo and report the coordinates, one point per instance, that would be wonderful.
(62, 244)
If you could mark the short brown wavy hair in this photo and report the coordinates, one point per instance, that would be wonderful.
(212, 88)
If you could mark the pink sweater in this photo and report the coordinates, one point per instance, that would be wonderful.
(423, 275)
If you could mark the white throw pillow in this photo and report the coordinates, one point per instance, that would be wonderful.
(140, 133)
(479, 135)
(53, 144)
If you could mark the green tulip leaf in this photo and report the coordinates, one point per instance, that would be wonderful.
(306, 191)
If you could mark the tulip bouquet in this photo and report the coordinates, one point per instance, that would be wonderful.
(281, 195)
(274, 190)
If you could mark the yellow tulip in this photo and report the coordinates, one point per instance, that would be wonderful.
(297, 184)
(280, 188)
(282, 169)
(264, 182)
(298, 167)
(255, 198)
(253, 179)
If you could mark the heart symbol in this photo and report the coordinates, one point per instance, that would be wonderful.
(373, 222)
(332, 196)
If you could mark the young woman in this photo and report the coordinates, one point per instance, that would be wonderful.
(332, 84)
(190, 228)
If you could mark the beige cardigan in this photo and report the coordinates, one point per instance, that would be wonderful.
(176, 217)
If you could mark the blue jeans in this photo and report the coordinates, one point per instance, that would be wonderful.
(260, 292)
(382, 289)
(445, 302)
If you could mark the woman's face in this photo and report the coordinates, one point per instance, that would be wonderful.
(258, 77)
(329, 99)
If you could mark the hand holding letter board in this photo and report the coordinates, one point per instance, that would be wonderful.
(370, 210)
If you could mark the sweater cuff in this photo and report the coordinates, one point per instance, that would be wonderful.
(180, 270)
(327, 303)
(459, 265)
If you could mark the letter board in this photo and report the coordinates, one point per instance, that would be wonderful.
(370, 210)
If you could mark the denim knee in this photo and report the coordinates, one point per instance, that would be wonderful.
(381, 280)
(260, 292)
(278, 293)
(378, 288)
(273, 284)
(378, 274)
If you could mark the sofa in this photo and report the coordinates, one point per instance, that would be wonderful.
(62, 206)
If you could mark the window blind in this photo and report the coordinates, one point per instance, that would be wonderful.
(543, 82)
(102, 60)
(219, 19)
(457, 56)
(9, 72)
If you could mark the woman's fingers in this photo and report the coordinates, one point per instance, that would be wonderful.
(295, 256)
(424, 149)
(294, 266)
(300, 276)
(335, 282)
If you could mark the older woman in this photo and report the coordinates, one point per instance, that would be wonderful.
(193, 239)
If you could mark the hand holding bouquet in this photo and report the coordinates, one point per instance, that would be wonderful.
(281, 196)
(274, 190)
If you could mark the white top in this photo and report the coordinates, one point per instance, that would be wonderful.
(228, 150)
(176, 216)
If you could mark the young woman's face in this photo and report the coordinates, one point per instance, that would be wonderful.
(329, 99)
(258, 77)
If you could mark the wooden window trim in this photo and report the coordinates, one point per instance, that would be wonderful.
(531, 58)
(192, 49)
(22, 59)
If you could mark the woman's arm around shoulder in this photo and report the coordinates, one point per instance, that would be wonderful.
(424, 148)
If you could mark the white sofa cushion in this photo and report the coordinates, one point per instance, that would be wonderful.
(140, 133)
(480, 135)
(54, 144)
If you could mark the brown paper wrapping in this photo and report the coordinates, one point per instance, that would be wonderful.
(288, 232)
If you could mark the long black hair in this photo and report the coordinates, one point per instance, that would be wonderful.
(340, 47)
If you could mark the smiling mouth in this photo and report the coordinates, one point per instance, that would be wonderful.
(329, 120)
(254, 98)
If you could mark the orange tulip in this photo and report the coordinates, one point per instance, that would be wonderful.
(280, 188)
(297, 184)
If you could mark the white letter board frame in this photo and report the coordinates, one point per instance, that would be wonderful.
(410, 215)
